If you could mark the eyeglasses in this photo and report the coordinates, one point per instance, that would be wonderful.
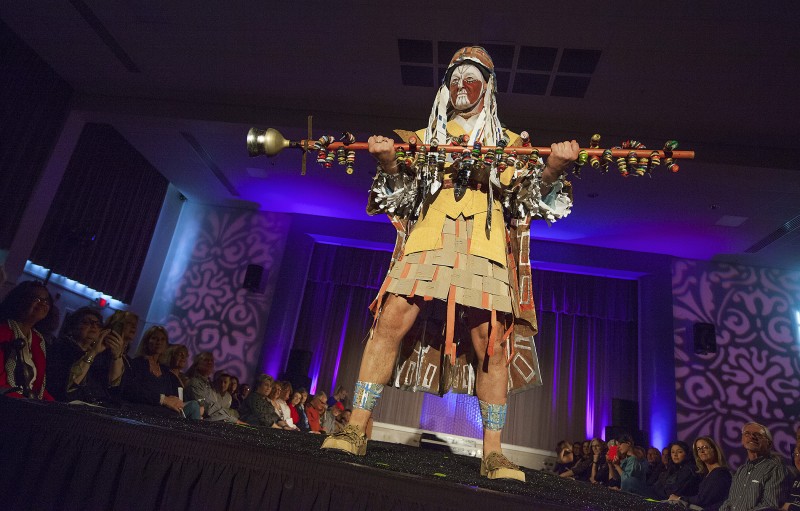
(701, 448)
(754, 435)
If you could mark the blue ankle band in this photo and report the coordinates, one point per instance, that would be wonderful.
(494, 416)
(366, 395)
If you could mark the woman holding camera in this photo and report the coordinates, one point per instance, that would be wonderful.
(85, 363)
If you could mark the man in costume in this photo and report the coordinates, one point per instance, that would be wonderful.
(455, 312)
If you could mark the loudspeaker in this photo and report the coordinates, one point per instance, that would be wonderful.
(297, 369)
(625, 414)
(253, 278)
(705, 338)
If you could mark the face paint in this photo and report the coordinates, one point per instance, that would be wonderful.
(466, 87)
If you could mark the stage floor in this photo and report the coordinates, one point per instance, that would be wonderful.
(59, 457)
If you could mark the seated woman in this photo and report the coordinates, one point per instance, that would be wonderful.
(233, 391)
(201, 389)
(717, 478)
(150, 386)
(23, 361)
(294, 404)
(599, 472)
(257, 409)
(85, 363)
(176, 357)
(582, 469)
(793, 504)
(283, 401)
(125, 323)
(681, 478)
(630, 469)
(280, 407)
(301, 410)
(565, 457)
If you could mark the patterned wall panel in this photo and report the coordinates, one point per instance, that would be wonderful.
(755, 372)
(202, 303)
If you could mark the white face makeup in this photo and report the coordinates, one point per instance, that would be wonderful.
(466, 87)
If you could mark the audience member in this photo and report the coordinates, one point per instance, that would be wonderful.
(342, 419)
(301, 410)
(577, 452)
(126, 324)
(655, 467)
(257, 409)
(314, 411)
(222, 384)
(328, 419)
(294, 403)
(716, 481)
(762, 482)
(23, 360)
(565, 458)
(681, 478)
(793, 503)
(150, 386)
(338, 398)
(283, 402)
(599, 472)
(582, 469)
(85, 363)
(176, 357)
(233, 391)
(629, 468)
(243, 392)
(201, 389)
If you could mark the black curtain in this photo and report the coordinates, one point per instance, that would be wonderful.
(99, 227)
(34, 102)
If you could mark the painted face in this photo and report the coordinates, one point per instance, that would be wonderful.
(678, 454)
(705, 452)
(466, 87)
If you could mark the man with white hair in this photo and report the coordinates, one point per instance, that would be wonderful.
(762, 482)
(455, 312)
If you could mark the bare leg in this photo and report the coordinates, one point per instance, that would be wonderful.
(377, 363)
(492, 379)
